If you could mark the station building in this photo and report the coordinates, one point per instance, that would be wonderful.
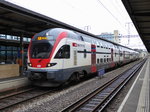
(114, 37)
(10, 49)
(10, 56)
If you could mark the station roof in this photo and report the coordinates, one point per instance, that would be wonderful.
(139, 11)
(18, 21)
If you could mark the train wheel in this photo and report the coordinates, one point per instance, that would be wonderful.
(85, 74)
(75, 77)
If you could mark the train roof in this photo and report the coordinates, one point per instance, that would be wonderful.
(92, 35)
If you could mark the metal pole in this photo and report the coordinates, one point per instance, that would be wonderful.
(21, 64)
(129, 23)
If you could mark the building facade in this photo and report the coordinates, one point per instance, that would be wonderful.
(114, 37)
(10, 48)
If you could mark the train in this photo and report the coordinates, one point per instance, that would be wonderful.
(57, 56)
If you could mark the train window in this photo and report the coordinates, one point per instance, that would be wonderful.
(107, 60)
(40, 50)
(93, 42)
(120, 53)
(97, 61)
(106, 47)
(84, 53)
(81, 38)
(101, 60)
(104, 60)
(63, 52)
(86, 38)
(97, 43)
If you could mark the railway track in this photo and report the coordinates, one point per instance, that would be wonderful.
(98, 99)
(7, 101)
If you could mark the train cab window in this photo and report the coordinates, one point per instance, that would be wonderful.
(40, 50)
(63, 52)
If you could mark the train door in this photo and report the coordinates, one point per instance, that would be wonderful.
(63, 56)
(112, 58)
(93, 58)
(74, 54)
(123, 56)
(119, 52)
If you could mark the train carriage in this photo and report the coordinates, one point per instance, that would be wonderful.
(58, 55)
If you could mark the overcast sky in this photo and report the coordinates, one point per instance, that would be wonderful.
(99, 15)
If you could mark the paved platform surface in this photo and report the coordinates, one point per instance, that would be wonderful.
(12, 83)
(137, 99)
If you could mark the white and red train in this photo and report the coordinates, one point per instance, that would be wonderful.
(57, 55)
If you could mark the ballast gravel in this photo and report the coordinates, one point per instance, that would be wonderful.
(57, 101)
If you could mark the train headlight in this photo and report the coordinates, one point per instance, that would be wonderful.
(48, 65)
(51, 64)
(29, 64)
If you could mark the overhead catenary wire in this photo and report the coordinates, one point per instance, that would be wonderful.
(117, 8)
(110, 13)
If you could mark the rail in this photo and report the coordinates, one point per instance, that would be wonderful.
(18, 97)
(99, 98)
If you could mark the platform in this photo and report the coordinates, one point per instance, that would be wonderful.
(9, 70)
(137, 99)
(13, 83)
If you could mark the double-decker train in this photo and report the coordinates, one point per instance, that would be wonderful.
(58, 55)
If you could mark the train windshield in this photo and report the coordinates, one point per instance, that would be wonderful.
(40, 50)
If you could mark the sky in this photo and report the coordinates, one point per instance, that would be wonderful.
(98, 15)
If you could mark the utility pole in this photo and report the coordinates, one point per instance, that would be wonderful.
(128, 25)
(87, 28)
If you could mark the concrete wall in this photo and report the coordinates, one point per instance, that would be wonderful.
(9, 70)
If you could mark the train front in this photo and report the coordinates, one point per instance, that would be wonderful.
(42, 71)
